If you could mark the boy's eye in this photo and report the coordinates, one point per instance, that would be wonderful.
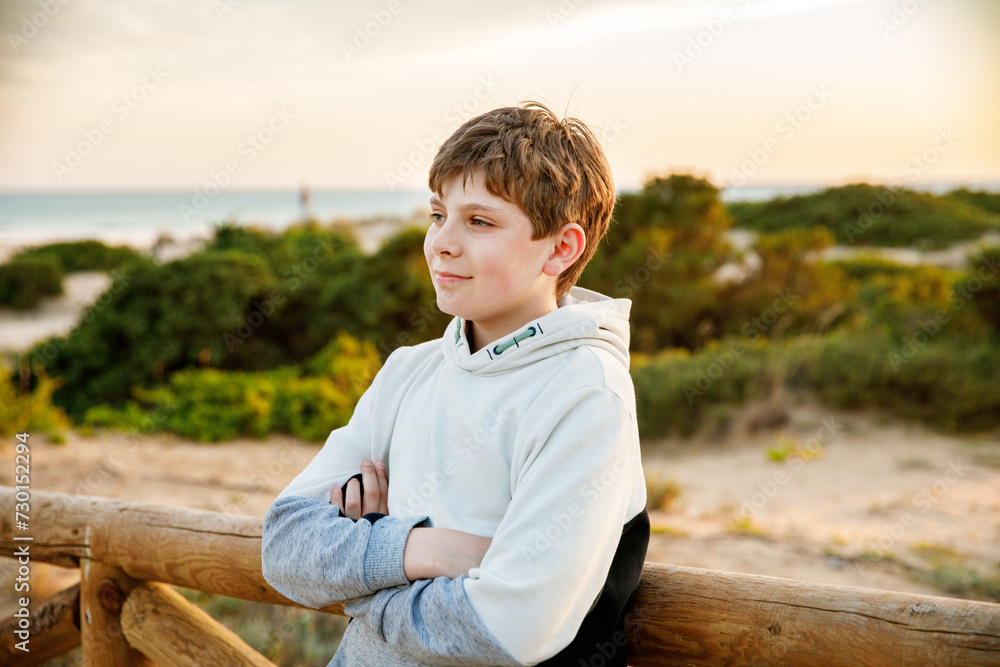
(476, 222)
(437, 217)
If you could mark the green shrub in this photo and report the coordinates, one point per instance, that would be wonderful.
(154, 320)
(386, 298)
(987, 201)
(25, 281)
(662, 248)
(29, 411)
(677, 392)
(82, 255)
(895, 299)
(210, 405)
(862, 214)
(982, 284)
(791, 293)
(946, 381)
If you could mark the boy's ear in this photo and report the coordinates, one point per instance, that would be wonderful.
(568, 244)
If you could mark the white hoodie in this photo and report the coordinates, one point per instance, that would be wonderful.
(532, 440)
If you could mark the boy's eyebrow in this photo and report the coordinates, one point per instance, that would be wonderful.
(471, 206)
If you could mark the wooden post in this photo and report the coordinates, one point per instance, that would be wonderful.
(55, 629)
(168, 628)
(103, 590)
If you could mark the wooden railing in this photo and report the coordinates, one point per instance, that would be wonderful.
(124, 612)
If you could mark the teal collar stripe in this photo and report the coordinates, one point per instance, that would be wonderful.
(524, 335)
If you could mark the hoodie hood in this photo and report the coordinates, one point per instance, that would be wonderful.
(584, 317)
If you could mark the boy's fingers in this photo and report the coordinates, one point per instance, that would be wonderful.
(335, 498)
(383, 487)
(352, 503)
(372, 490)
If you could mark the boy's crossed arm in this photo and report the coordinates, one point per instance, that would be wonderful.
(430, 552)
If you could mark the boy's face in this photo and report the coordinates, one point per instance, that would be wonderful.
(484, 265)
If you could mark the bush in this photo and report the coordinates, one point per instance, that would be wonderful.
(387, 299)
(82, 255)
(158, 319)
(25, 281)
(30, 412)
(210, 405)
(677, 392)
(982, 284)
(862, 214)
(791, 294)
(987, 201)
(948, 382)
(898, 299)
(663, 246)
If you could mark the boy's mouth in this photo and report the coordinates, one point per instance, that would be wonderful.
(445, 279)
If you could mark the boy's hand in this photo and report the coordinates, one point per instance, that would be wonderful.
(442, 552)
(376, 496)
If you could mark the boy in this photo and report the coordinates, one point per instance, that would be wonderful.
(514, 529)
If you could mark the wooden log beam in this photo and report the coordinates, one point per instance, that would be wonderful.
(682, 615)
(173, 632)
(54, 627)
(103, 590)
(690, 616)
(205, 551)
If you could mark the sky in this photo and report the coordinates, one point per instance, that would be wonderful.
(104, 95)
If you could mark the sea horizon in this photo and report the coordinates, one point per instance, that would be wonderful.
(141, 218)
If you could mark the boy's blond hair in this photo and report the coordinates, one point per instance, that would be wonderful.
(554, 170)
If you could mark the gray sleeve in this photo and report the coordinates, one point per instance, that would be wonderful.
(316, 557)
(431, 622)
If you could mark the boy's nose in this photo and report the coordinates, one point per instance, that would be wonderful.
(444, 241)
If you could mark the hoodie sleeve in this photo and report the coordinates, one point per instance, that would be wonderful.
(576, 482)
(312, 554)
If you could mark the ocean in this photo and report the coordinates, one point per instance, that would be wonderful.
(140, 218)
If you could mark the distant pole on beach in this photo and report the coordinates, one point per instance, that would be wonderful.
(305, 198)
